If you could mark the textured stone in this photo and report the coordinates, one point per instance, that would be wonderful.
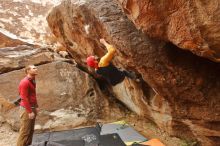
(179, 88)
(6, 41)
(26, 19)
(13, 58)
(190, 25)
(60, 85)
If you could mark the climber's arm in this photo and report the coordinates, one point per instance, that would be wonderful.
(105, 60)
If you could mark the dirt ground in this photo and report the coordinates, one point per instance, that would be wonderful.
(8, 137)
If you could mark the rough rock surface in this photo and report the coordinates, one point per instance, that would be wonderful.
(183, 97)
(6, 41)
(190, 25)
(63, 88)
(26, 19)
(18, 57)
(66, 95)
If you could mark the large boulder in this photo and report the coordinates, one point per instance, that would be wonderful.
(141, 99)
(18, 57)
(190, 25)
(26, 19)
(6, 41)
(66, 95)
(180, 87)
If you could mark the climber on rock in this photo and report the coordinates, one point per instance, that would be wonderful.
(106, 69)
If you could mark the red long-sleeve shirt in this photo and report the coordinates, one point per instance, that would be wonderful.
(27, 92)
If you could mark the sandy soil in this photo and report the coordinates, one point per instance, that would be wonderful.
(7, 136)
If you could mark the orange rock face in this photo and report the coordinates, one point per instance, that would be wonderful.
(190, 25)
(180, 91)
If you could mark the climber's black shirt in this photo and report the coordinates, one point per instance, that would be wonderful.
(112, 74)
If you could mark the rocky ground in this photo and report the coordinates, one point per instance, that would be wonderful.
(148, 129)
(7, 136)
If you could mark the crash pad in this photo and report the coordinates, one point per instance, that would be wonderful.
(128, 134)
(153, 142)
